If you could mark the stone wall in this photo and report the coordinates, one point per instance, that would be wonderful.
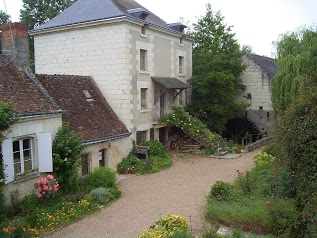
(257, 94)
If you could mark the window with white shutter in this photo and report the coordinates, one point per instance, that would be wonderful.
(45, 152)
(7, 153)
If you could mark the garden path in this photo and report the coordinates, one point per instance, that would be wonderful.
(180, 190)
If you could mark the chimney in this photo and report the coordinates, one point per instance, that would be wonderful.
(15, 43)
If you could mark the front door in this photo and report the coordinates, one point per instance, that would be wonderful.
(162, 135)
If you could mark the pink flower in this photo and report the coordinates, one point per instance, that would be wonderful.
(46, 188)
(39, 195)
(39, 189)
(50, 177)
(55, 189)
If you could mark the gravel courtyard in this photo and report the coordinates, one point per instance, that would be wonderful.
(180, 190)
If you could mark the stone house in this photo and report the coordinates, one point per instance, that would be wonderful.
(41, 104)
(27, 148)
(88, 114)
(140, 63)
(257, 76)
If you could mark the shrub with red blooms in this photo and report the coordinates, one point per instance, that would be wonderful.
(47, 186)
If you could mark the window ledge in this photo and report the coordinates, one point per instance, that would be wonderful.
(22, 178)
(145, 110)
(181, 75)
(144, 35)
(182, 45)
(144, 72)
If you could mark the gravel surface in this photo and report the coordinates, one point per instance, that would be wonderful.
(180, 190)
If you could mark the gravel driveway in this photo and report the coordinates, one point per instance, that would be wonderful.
(180, 190)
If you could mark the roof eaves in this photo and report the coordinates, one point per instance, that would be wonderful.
(77, 24)
(105, 139)
(39, 114)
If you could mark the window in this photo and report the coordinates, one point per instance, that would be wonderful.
(143, 30)
(102, 158)
(85, 165)
(22, 156)
(141, 137)
(181, 64)
(143, 57)
(143, 98)
(181, 40)
(22, 161)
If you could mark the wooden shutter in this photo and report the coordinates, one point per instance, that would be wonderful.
(7, 152)
(45, 152)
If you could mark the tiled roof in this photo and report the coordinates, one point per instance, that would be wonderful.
(15, 86)
(267, 64)
(171, 83)
(83, 11)
(89, 115)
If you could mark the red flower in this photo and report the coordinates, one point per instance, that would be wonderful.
(267, 202)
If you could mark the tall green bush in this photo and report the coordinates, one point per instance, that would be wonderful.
(297, 143)
(67, 154)
(102, 177)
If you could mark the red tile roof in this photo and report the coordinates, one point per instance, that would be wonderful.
(93, 118)
(16, 87)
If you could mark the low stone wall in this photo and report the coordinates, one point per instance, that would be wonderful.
(258, 144)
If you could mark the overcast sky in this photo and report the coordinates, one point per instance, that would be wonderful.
(256, 23)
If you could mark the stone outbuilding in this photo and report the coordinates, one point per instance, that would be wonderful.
(257, 76)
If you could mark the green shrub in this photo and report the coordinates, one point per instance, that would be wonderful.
(191, 126)
(131, 162)
(102, 177)
(166, 227)
(100, 195)
(282, 213)
(67, 153)
(271, 149)
(245, 182)
(221, 191)
(158, 163)
(156, 148)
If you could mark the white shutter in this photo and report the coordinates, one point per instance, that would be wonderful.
(7, 153)
(45, 152)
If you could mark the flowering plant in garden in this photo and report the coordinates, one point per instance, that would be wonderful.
(47, 186)
(191, 126)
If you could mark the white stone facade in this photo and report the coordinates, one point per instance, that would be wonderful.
(29, 128)
(110, 53)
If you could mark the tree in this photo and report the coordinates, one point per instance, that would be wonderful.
(35, 13)
(4, 18)
(67, 154)
(217, 65)
(297, 63)
(294, 93)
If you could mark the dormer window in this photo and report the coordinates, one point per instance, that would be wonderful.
(177, 27)
(87, 95)
(139, 13)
